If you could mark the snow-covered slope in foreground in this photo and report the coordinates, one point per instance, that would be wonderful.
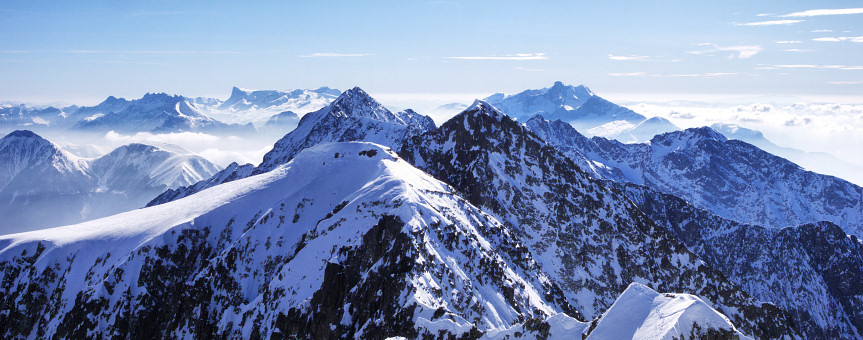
(642, 313)
(346, 240)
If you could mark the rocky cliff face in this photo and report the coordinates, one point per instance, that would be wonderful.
(810, 270)
(591, 240)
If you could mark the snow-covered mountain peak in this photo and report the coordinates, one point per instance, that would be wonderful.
(642, 313)
(357, 103)
(481, 107)
(111, 100)
(572, 104)
(688, 137)
(23, 148)
(564, 92)
(558, 97)
(24, 135)
(156, 166)
(237, 91)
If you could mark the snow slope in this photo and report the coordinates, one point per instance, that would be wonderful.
(42, 186)
(642, 313)
(346, 240)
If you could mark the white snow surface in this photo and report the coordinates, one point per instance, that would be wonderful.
(642, 313)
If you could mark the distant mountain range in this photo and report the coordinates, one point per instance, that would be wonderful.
(157, 113)
(258, 106)
(161, 113)
(587, 112)
(42, 185)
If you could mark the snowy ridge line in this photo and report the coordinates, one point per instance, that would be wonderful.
(399, 239)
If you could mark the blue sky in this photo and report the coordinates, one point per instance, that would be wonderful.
(81, 52)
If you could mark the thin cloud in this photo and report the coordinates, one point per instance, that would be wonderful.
(701, 75)
(845, 82)
(628, 74)
(328, 55)
(116, 52)
(519, 56)
(739, 52)
(769, 23)
(796, 50)
(830, 67)
(628, 58)
(788, 42)
(706, 75)
(821, 31)
(820, 12)
(530, 69)
(838, 39)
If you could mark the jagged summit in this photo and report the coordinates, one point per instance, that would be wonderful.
(483, 107)
(162, 96)
(691, 135)
(111, 100)
(581, 92)
(353, 116)
(576, 105)
(357, 103)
